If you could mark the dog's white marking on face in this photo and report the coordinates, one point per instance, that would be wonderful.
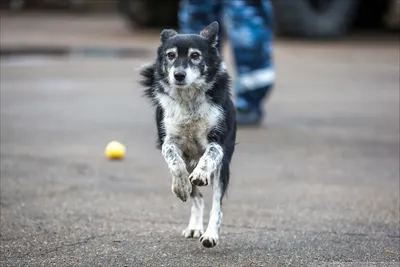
(211, 236)
(171, 76)
(192, 75)
(171, 50)
(191, 78)
(195, 227)
(193, 50)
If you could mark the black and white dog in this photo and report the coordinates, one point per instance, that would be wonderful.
(196, 122)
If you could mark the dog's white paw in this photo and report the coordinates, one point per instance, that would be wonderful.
(209, 240)
(195, 233)
(181, 186)
(199, 177)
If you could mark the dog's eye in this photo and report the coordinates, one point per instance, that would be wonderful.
(195, 56)
(171, 55)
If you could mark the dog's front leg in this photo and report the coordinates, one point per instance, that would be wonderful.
(210, 165)
(207, 165)
(180, 182)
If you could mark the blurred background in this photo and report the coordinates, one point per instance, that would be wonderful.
(317, 182)
(344, 16)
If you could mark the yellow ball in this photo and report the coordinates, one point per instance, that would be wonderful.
(115, 150)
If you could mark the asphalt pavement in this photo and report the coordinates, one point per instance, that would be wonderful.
(316, 185)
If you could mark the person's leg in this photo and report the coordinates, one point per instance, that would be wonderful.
(250, 31)
(195, 15)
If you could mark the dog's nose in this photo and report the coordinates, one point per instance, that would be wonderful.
(179, 76)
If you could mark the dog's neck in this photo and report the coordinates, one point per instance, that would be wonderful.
(188, 100)
(188, 97)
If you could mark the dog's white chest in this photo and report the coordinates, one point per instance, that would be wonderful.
(190, 127)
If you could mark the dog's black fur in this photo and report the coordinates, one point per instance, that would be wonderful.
(208, 96)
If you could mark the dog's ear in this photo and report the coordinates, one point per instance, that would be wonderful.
(166, 34)
(211, 33)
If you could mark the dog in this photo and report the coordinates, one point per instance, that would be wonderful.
(189, 86)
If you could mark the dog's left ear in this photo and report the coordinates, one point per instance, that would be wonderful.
(166, 34)
(211, 33)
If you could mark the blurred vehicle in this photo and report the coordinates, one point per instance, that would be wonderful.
(330, 18)
(301, 18)
(16, 5)
(149, 13)
(73, 5)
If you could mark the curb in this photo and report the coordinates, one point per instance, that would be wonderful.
(65, 51)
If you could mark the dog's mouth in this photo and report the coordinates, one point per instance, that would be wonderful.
(181, 83)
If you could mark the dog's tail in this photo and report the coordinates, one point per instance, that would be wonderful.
(147, 73)
(148, 80)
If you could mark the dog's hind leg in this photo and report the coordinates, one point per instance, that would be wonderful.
(195, 228)
(211, 237)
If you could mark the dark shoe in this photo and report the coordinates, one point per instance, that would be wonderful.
(249, 106)
(248, 117)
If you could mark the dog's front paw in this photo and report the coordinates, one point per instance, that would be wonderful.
(200, 177)
(195, 233)
(209, 240)
(181, 186)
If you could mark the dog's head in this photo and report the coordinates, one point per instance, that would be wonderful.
(188, 60)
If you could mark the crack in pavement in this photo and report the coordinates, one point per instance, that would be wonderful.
(71, 244)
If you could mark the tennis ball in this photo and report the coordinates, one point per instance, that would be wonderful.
(115, 150)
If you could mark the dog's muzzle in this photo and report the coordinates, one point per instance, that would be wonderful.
(180, 77)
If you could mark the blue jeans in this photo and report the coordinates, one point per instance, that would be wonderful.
(249, 28)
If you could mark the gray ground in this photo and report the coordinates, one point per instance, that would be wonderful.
(317, 185)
